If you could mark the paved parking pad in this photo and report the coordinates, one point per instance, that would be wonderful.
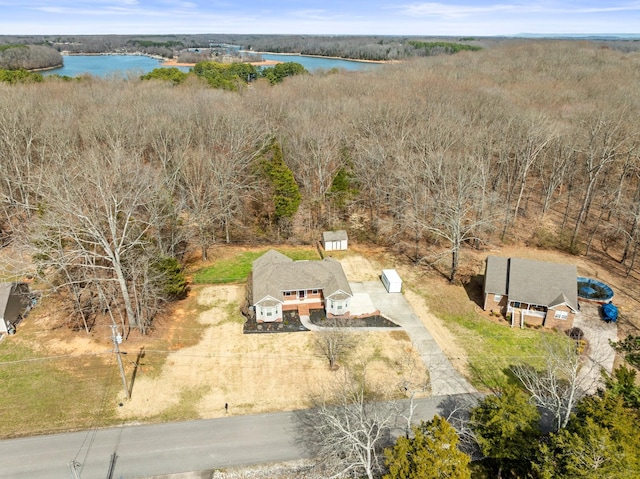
(394, 306)
(598, 334)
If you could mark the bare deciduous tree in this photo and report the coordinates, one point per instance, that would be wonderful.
(333, 340)
(414, 381)
(567, 376)
(604, 137)
(346, 430)
(102, 215)
(457, 194)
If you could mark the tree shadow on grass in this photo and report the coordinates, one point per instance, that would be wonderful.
(474, 288)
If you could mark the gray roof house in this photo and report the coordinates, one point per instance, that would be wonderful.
(532, 292)
(280, 284)
(15, 301)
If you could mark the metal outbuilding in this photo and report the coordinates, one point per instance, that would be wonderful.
(391, 280)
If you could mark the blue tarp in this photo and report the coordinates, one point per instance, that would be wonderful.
(609, 312)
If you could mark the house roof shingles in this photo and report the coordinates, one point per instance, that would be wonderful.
(5, 293)
(496, 275)
(532, 282)
(274, 273)
(334, 235)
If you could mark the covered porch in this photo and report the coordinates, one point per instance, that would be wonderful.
(525, 313)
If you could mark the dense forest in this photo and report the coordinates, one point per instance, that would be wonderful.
(110, 185)
(28, 57)
(377, 47)
(107, 184)
(363, 47)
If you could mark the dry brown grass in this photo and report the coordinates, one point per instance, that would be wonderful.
(253, 373)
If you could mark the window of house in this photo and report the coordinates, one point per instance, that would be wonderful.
(561, 315)
(497, 298)
(301, 294)
(339, 306)
(288, 293)
(314, 291)
(516, 304)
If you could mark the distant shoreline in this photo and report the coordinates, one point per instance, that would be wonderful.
(175, 63)
(321, 56)
(44, 69)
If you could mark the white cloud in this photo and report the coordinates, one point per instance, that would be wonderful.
(453, 11)
(435, 9)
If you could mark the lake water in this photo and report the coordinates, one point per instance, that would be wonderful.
(106, 65)
(316, 63)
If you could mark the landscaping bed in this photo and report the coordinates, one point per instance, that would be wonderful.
(290, 324)
(319, 318)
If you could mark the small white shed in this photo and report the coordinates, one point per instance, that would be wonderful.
(391, 280)
(334, 240)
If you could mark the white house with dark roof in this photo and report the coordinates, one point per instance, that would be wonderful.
(532, 292)
(279, 284)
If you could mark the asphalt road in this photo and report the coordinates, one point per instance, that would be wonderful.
(148, 450)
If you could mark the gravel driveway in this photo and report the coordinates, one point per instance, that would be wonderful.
(598, 334)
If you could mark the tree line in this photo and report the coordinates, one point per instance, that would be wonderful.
(376, 47)
(28, 57)
(532, 141)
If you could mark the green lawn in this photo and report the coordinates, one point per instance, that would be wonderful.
(492, 348)
(53, 394)
(236, 269)
(49, 392)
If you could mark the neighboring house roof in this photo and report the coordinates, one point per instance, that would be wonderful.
(15, 290)
(334, 235)
(533, 282)
(274, 273)
(496, 275)
(5, 293)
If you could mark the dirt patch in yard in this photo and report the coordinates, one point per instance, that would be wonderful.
(362, 263)
(253, 373)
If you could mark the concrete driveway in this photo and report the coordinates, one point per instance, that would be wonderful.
(445, 379)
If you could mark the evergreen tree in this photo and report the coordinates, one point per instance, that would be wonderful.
(174, 75)
(286, 194)
(630, 349)
(280, 71)
(431, 453)
(623, 383)
(506, 426)
(171, 278)
(343, 186)
(230, 76)
(600, 441)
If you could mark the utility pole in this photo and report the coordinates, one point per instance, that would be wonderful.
(117, 339)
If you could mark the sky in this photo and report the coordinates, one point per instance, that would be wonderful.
(327, 17)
